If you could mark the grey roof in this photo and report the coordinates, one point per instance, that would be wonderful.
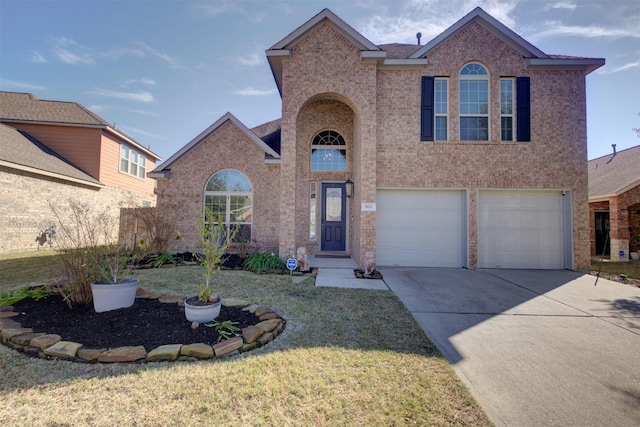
(399, 50)
(26, 107)
(612, 175)
(18, 107)
(19, 150)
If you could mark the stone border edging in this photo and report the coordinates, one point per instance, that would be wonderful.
(50, 346)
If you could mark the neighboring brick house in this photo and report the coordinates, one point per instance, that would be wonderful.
(469, 151)
(52, 152)
(614, 203)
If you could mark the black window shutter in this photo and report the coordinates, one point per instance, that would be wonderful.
(426, 109)
(523, 108)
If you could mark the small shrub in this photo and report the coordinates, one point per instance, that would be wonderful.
(225, 330)
(261, 262)
(12, 297)
(215, 239)
(159, 260)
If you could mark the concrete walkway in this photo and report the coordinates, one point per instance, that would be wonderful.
(338, 273)
(535, 347)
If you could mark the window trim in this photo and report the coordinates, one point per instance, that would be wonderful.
(474, 77)
(511, 114)
(438, 114)
(227, 197)
(141, 163)
(328, 147)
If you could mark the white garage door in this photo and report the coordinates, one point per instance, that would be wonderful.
(521, 229)
(420, 228)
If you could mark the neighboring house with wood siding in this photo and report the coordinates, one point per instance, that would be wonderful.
(468, 151)
(54, 151)
(614, 204)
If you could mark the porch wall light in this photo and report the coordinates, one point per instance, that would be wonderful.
(349, 187)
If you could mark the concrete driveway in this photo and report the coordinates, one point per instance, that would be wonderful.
(535, 347)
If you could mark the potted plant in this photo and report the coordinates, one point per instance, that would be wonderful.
(114, 290)
(215, 239)
(95, 264)
(635, 255)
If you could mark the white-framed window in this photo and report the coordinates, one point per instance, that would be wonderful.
(441, 109)
(474, 103)
(132, 162)
(229, 196)
(328, 152)
(506, 109)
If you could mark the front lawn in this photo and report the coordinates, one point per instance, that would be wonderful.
(346, 357)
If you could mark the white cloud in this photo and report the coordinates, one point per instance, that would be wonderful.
(12, 84)
(251, 59)
(38, 58)
(250, 91)
(216, 8)
(591, 31)
(68, 51)
(625, 67)
(136, 131)
(400, 21)
(172, 62)
(129, 96)
(115, 54)
(561, 5)
(143, 80)
(99, 108)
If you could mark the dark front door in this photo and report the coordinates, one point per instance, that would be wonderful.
(602, 226)
(334, 218)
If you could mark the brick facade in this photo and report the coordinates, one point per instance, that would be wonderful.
(182, 196)
(25, 200)
(327, 85)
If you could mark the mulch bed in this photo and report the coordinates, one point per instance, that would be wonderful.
(148, 322)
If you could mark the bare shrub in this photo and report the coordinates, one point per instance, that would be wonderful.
(151, 231)
(85, 237)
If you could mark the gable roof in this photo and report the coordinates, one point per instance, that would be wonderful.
(403, 55)
(369, 51)
(614, 174)
(534, 57)
(271, 156)
(18, 107)
(21, 151)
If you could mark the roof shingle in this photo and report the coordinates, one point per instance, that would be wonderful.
(21, 149)
(614, 174)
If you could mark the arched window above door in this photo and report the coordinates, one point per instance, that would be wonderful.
(328, 152)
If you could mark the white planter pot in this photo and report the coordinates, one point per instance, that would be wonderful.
(635, 255)
(202, 313)
(111, 296)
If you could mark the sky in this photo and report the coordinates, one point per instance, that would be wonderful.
(163, 71)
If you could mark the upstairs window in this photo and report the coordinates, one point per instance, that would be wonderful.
(474, 103)
(328, 152)
(442, 109)
(506, 109)
(132, 162)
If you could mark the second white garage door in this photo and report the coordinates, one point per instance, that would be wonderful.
(521, 229)
(421, 228)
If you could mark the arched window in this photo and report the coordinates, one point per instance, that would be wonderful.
(474, 103)
(328, 152)
(229, 196)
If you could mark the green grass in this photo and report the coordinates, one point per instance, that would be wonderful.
(34, 268)
(629, 269)
(346, 357)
